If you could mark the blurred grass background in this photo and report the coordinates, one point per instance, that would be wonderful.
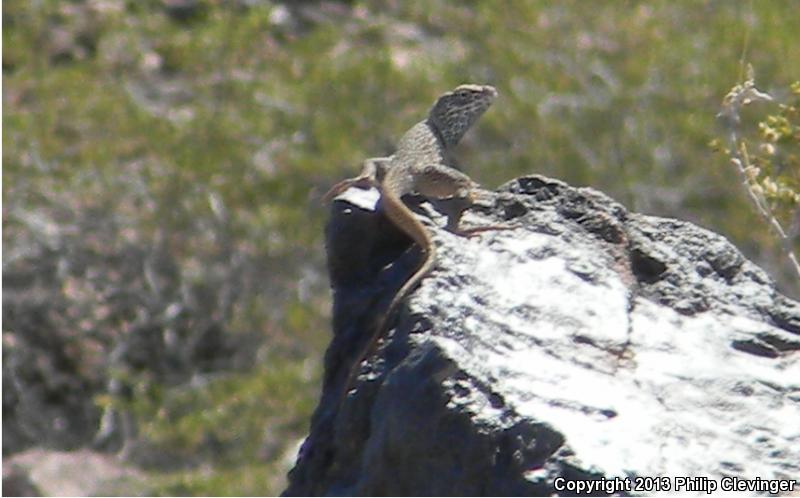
(165, 293)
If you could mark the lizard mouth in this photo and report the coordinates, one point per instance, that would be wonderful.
(487, 90)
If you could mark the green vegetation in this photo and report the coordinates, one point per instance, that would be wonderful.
(162, 163)
(771, 175)
(234, 421)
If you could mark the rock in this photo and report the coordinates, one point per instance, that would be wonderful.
(77, 473)
(16, 482)
(588, 343)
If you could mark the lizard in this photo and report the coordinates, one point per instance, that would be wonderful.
(420, 165)
(430, 141)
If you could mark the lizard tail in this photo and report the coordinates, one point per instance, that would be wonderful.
(402, 217)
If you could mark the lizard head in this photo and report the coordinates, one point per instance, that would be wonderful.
(455, 111)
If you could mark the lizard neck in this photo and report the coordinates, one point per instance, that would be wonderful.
(436, 132)
(421, 145)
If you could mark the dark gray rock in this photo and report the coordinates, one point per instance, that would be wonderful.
(587, 343)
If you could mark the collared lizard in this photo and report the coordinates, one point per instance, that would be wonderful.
(420, 165)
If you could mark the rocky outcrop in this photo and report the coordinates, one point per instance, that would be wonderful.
(588, 343)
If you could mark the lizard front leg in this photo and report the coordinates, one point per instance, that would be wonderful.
(456, 190)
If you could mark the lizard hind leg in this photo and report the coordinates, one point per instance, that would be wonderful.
(372, 172)
(343, 185)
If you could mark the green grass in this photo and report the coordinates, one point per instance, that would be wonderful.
(238, 421)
